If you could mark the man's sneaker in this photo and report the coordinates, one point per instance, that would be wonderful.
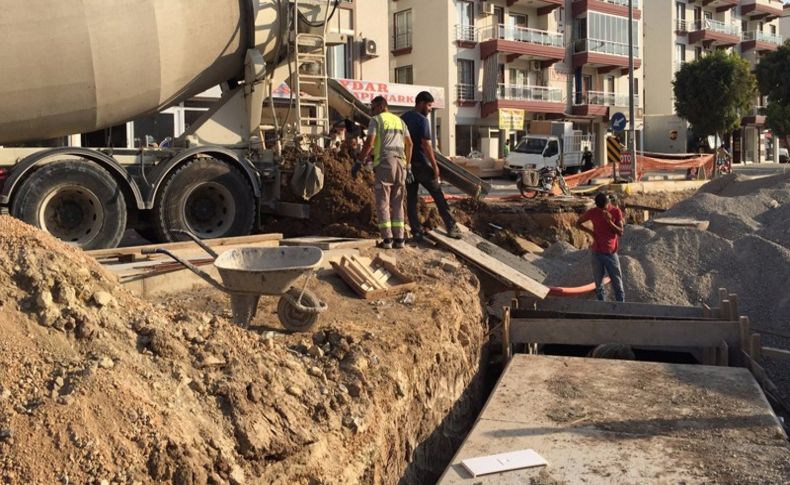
(399, 244)
(386, 244)
(454, 232)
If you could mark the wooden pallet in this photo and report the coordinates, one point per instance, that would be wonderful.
(374, 279)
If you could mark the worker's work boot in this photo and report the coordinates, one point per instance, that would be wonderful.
(454, 232)
(399, 244)
(417, 237)
(385, 244)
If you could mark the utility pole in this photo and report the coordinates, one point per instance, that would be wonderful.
(631, 110)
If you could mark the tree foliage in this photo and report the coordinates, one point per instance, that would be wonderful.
(773, 77)
(714, 92)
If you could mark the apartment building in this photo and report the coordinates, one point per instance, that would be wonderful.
(784, 22)
(684, 30)
(551, 59)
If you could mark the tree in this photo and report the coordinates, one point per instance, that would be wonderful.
(714, 92)
(773, 78)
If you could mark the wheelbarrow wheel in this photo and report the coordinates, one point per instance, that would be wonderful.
(291, 317)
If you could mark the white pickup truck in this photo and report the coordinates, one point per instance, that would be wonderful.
(534, 152)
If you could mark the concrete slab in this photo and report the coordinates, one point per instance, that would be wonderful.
(610, 421)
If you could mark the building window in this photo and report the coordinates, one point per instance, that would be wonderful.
(466, 13)
(337, 60)
(404, 75)
(466, 79)
(610, 84)
(606, 34)
(402, 22)
(697, 53)
(680, 49)
(680, 15)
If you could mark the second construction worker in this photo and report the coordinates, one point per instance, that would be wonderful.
(388, 139)
(425, 169)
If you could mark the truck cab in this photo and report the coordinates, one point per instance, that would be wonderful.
(534, 152)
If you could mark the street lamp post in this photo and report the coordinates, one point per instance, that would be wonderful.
(631, 110)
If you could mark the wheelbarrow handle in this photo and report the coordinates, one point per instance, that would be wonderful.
(197, 241)
(203, 275)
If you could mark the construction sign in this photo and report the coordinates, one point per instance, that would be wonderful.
(511, 119)
(626, 168)
(614, 150)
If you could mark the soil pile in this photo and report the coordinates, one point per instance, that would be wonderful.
(98, 385)
(744, 250)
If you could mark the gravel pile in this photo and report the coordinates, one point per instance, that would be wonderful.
(746, 250)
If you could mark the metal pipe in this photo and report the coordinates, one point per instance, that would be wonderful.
(631, 110)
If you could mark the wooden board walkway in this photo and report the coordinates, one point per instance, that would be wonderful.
(490, 264)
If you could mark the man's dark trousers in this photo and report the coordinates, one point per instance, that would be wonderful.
(424, 176)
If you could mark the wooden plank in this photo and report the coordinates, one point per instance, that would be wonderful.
(528, 313)
(613, 307)
(516, 262)
(682, 222)
(774, 353)
(734, 311)
(219, 242)
(756, 347)
(506, 348)
(723, 354)
(496, 268)
(661, 333)
(327, 243)
(745, 335)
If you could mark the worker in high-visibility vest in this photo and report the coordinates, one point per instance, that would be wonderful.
(388, 139)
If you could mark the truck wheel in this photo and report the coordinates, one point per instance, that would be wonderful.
(207, 197)
(74, 200)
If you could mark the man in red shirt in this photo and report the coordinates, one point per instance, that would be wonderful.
(607, 221)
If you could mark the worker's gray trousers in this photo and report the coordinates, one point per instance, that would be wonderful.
(390, 189)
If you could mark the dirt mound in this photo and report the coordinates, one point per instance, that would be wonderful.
(98, 385)
(745, 250)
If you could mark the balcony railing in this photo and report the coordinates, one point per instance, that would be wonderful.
(604, 99)
(402, 40)
(716, 26)
(521, 34)
(466, 33)
(763, 37)
(465, 92)
(623, 3)
(529, 93)
(604, 47)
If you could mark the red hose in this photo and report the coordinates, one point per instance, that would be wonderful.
(575, 291)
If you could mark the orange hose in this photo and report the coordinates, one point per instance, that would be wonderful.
(575, 291)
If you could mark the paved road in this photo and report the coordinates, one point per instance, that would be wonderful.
(761, 169)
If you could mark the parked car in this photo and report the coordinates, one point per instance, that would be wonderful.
(784, 155)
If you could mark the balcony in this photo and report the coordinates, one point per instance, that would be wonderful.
(597, 103)
(535, 99)
(720, 5)
(755, 117)
(611, 7)
(465, 35)
(606, 55)
(760, 41)
(714, 33)
(544, 7)
(466, 94)
(761, 9)
(520, 41)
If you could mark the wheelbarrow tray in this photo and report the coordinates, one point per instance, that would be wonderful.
(265, 271)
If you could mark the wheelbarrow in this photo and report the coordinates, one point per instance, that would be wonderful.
(248, 273)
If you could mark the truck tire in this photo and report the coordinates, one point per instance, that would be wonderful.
(207, 197)
(76, 201)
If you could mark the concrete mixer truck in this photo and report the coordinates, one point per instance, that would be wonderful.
(77, 66)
